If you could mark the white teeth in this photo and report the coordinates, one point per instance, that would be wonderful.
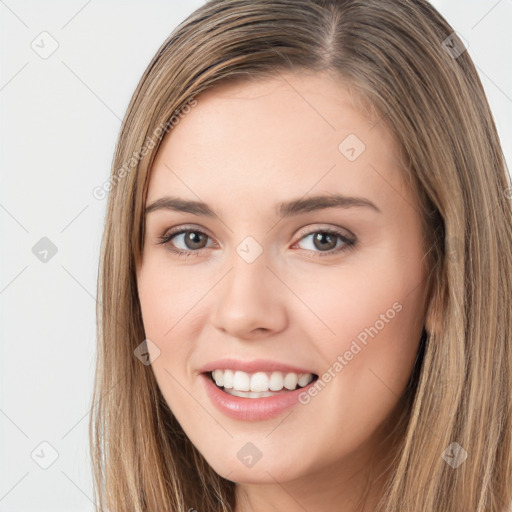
(276, 381)
(218, 377)
(304, 379)
(290, 381)
(228, 378)
(241, 381)
(259, 382)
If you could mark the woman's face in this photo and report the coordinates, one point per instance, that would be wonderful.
(270, 271)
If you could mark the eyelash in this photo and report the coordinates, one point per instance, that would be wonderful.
(349, 243)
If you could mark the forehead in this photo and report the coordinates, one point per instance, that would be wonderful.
(277, 137)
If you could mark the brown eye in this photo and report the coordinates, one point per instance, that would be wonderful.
(325, 242)
(185, 241)
(195, 239)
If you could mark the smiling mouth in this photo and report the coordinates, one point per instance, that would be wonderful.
(259, 384)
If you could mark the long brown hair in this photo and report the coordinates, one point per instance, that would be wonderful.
(405, 61)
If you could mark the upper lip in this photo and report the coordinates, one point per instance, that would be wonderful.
(255, 365)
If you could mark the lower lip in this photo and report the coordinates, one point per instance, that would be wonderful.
(251, 409)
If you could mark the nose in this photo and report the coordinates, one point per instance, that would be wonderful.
(250, 301)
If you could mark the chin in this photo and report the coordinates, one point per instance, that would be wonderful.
(266, 470)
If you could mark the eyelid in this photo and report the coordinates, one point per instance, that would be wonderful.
(315, 228)
(185, 227)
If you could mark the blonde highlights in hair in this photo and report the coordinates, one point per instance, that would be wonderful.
(393, 54)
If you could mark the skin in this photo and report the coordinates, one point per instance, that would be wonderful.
(246, 146)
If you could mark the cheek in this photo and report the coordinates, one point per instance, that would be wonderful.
(371, 317)
(167, 307)
(168, 313)
(352, 298)
(167, 300)
(376, 318)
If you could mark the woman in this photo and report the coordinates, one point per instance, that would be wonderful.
(306, 270)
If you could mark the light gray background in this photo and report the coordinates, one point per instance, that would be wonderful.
(59, 120)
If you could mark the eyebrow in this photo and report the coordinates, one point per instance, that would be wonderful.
(285, 209)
